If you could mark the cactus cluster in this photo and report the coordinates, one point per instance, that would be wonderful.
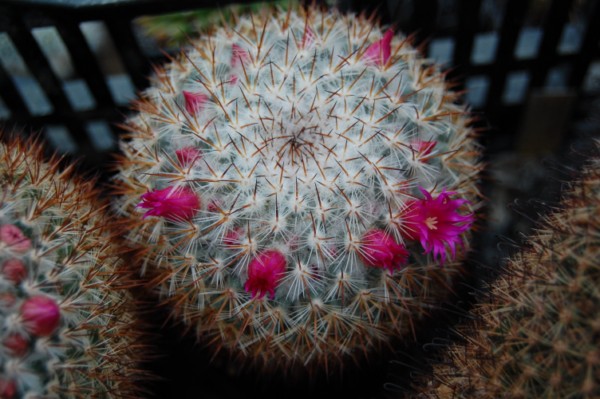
(303, 186)
(67, 325)
(538, 333)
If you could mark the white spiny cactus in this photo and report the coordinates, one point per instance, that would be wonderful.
(304, 174)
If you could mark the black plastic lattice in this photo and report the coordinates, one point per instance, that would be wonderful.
(497, 86)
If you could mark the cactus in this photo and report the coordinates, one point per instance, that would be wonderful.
(67, 325)
(303, 186)
(538, 333)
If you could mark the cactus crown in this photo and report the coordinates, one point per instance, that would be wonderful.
(298, 141)
(66, 325)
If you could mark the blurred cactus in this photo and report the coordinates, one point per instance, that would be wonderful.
(308, 184)
(537, 335)
(67, 327)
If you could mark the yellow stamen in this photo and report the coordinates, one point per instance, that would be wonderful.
(431, 223)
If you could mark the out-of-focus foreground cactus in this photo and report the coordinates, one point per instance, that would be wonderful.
(303, 184)
(67, 327)
(538, 333)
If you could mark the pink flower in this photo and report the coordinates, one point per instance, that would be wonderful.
(16, 344)
(436, 223)
(171, 203)
(14, 270)
(232, 237)
(238, 55)
(14, 238)
(422, 147)
(187, 155)
(40, 315)
(264, 273)
(8, 388)
(194, 102)
(214, 206)
(379, 249)
(7, 299)
(308, 37)
(379, 53)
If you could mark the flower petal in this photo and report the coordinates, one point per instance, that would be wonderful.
(379, 53)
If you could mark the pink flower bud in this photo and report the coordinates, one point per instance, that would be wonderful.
(380, 250)
(213, 206)
(436, 223)
(7, 299)
(379, 53)
(264, 273)
(194, 102)
(187, 155)
(232, 237)
(16, 344)
(238, 55)
(14, 238)
(308, 37)
(423, 148)
(171, 203)
(8, 388)
(14, 270)
(40, 315)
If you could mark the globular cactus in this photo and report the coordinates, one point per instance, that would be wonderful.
(537, 335)
(67, 324)
(303, 184)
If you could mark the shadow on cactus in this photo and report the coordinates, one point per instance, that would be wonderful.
(536, 335)
(67, 326)
(303, 184)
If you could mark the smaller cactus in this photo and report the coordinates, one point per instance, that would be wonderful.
(538, 334)
(67, 325)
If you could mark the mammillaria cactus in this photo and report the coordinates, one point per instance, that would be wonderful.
(537, 335)
(67, 327)
(301, 182)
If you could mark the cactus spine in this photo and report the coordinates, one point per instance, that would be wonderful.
(302, 176)
(538, 333)
(67, 327)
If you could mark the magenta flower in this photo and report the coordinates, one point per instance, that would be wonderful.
(214, 206)
(422, 147)
(187, 155)
(40, 315)
(238, 55)
(264, 273)
(308, 37)
(379, 53)
(8, 388)
(232, 237)
(16, 344)
(14, 270)
(436, 223)
(14, 238)
(194, 102)
(379, 249)
(173, 203)
(7, 300)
